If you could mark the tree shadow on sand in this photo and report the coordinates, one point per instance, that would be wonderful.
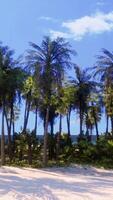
(46, 188)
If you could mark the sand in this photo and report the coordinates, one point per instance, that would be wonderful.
(72, 183)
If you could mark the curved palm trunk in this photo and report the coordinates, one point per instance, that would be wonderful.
(45, 159)
(3, 138)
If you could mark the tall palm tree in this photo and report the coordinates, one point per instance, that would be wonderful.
(94, 111)
(11, 79)
(6, 64)
(83, 87)
(104, 71)
(49, 62)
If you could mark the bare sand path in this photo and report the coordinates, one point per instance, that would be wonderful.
(72, 183)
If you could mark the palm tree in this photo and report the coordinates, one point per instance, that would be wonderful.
(11, 80)
(83, 87)
(94, 110)
(108, 102)
(15, 79)
(68, 99)
(6, 64)
(31, 96)
(104, 71)
(49, 62)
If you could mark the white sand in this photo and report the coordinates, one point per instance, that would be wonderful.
(74, 183)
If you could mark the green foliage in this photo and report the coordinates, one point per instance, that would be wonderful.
(23, 142)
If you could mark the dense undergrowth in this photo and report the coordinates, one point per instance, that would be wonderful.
(27, 151)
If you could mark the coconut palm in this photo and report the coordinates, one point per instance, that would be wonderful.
(48, 63)
(83, 87)
(104, 71)
(6, 64)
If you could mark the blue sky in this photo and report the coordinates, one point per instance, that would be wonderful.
(86, 24)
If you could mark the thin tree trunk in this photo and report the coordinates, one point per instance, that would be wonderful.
(52, 127)
(60, 125)
(107, 124)
(81, 121)
(36, 117)
(68, 116)
(58, 137)
(68, 122)
(96, 128)
(25, 113)
(96, 124)
(9, 132)
(112, 125)
(26, 117)
(3, 138)
(87, 127)
(6, 117)
(51, 142)
(91, 131)
(13, 127)
(45, 159)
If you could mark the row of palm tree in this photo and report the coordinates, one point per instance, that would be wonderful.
(40, 82)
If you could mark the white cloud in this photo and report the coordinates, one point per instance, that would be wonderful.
(55, 34)
(46, 18)
(93, 24)
(100, 3)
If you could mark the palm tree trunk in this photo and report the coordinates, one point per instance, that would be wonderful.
(6, 118)
(87, 127)
(25, 113)
(96, 124)
(36, 117)
(91, 132)
(60, 125)
(96, 128)
(3, 138)
(45, 159)
(26, 116)
(112, 125)
(52, 127)
(81, 121)
(68, 116)
(13, 124)
(107, 124)
(9, 132)
(51, 145)
(58, 137)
